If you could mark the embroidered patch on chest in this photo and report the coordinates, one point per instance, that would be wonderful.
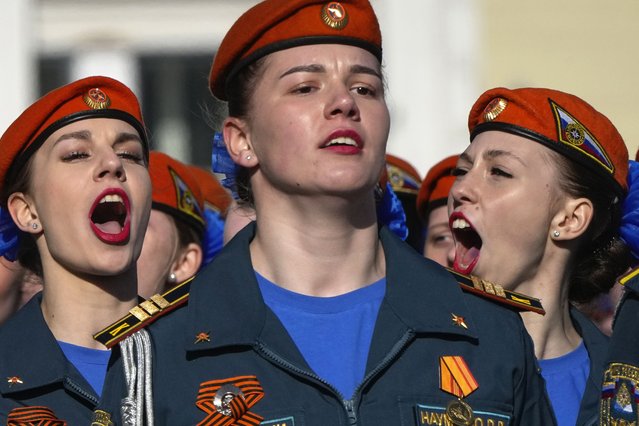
(619, 395)
(433, 415)
(286, 421)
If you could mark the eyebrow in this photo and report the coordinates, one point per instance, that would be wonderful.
(492, 154)
(317, 68)
(85, 135)
(126, 137)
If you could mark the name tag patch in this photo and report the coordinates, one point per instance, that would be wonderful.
(433, 415)
(286, 421)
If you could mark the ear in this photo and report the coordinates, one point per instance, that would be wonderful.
(238, 142)
(24, 213)
(188, 262)
(573, 219)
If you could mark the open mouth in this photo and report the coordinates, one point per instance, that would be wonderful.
(109, 216)
(344, 141)
(467, 244)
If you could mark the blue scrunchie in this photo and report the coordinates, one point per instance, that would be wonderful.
(9, 236)
(213, 235)
(390, 212)
(630, 219)
(222, 163)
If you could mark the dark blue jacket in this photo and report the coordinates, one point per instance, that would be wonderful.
(620, 389)
(597, 346)
(227, 336)
(35, 373)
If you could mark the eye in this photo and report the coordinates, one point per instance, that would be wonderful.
(458, 171)
(75, 155)
(500, 172)
(442, 239)
(132, 156)
(365, 91)
(303, 89)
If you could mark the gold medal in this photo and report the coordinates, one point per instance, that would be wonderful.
(459, 413)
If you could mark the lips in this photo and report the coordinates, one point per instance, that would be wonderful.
(344, 142)
(467, 243)
(110, 216)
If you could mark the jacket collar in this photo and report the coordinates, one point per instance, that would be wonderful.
(226, 304)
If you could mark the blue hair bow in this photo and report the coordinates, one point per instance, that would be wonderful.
(390, 212)
(213, 235)
(630, 219)
(9, 236)
(222, 163)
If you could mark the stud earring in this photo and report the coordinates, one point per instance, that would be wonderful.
(34, 225)
(555, 234)
(172, 278)
(248, 157)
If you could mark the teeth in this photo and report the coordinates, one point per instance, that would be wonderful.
(342, 141)
(460, 224)
(111, 198)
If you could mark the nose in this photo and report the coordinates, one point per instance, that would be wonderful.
(464, 189)
(450, 255)
(110, 165)
(342, 103)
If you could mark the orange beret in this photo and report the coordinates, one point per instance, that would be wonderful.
(435, 187)
(558, 120)
(274, 25)
(402, 176)
(214, 195)
(91, 97)
(176, 190)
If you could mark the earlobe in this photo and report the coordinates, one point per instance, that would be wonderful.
(188, 262)
(23, 213)
(238, 144)
(574, 220)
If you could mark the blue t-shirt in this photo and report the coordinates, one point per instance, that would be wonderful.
(332, 333)
(91, 363)
(566, 378)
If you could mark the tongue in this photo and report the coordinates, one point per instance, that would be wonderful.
(466, 258)
(110, 227)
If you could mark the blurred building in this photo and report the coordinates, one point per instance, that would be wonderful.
(438, 57)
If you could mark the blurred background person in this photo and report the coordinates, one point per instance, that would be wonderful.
(432, 209)
(405, 180)
(11, 275)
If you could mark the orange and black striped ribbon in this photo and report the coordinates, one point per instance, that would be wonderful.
(239, 405)
(33, 416)
(455, 376)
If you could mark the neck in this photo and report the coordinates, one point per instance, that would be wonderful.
(76, 307)
(318, 248)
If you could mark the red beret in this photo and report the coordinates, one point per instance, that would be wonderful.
(436, 185)
(274, 25)
(560, 121)
(91, 97)
(176, 190)
(214, 194)
(402, 176)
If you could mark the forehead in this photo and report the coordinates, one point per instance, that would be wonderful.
(94, 125)
(324, 54)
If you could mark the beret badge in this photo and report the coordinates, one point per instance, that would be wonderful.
(334, 15)
(494, 108)
(96, 99)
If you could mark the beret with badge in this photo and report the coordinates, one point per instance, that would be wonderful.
(91, 97)
(176, 190)
(435, 187)
(274, 25)
(561, 122)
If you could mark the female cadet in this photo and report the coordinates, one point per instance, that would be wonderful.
(313, 315)
(433, 211)
(74, 179)
(536, 207)
(172, 249)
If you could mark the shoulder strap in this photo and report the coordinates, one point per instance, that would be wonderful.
(143, 314)
(495, 292)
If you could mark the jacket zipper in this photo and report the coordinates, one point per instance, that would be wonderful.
(77, 389)
(348, 404)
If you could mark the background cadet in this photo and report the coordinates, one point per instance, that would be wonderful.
(313, 315)
(75, 182)
(536, 207)
(432, 209)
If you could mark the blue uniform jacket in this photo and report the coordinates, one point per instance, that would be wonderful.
(226, 341)
(620, 389)
(597, 346)
(35, 373)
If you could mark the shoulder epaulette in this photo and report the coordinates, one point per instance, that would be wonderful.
(143, 314)
(623, 280)
(492, 291)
